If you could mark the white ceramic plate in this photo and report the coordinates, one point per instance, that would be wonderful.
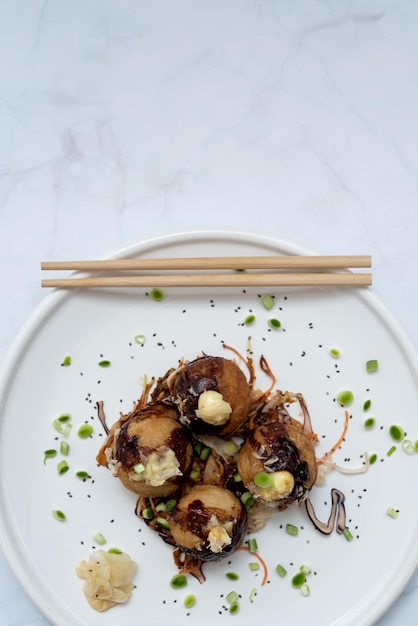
(350, 583)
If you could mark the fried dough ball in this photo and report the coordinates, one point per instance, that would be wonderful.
(212, 396)
(151, 453)
(209, 522)
(277, 463)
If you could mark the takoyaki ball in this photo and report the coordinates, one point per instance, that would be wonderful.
(212, 396)
(209, 523)
(151, 455)
(277, 464)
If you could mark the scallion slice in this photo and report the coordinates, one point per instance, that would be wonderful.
(178, 581)
(232, 597)
(59, 515)
(391, 451)
(98, 538)
(267, 301)
(334, 352)
(254, 566)
(369, 422)
(274, 323)
(232, 575)
(140, 339)
(347, 534)
(252, 545)
(85, 431)
(156, 294)
(263, 480)
(367, 404)
(49, 454)
(139, 468)
(392, 512)
(114, 551)
(291, 529)
(62, 467)
(298, 580)
(250, 319)
(66, 361)
(82, 474)
(281, 570)
(345, 397)
(396, 432)
(104, 363)
(189, 601)
(64, 448)
(372, 366)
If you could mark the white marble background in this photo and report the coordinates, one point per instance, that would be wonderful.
(121, 120)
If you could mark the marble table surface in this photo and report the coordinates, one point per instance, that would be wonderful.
(123, 120)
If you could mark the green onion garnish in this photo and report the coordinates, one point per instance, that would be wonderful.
(64, 448)
(372, 365)
(281, 570)
(85, 431)
(253, 594)
(291, 529)
(392, 512)
(178, 581)
(205, 454)
(305, 590)
(234, 608)
(147, 514)
(250, 319)
(369, 422)
(268, 301)
(62, 424)
(64, 417)
(140, 339)
(230, 448)
(98, 538)
(396, 432)
(59, 515)
(232, 597)
(49, 454)
(248, 500)
(372, 459)
(139, 468)
(82, 474)
(367, 404)
(334, 352)
(104, 363)
(114, 551)
(305, 569)
(408, 446)
(62, 467)
(345, 397)
(189, 601)
(273, 323)
(66, 361)
(169, 506)
(347, 534)
(416, 445)
(232, 575)
(298, 580)
(254, 566)
(237, 477)
(252, 545)
(263, 480)
(198, 447)
(391, 451)
(156, 294)
(162, 522)
(194, 474)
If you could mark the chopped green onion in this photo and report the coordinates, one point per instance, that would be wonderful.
(49, 454)
(114, 551)
(189, 601)
(250, 319)
(64, 417)
(306, 592)
(253, 594)
(169, 506)
(248, 500)
(198, 447)
(205, 454)
(62, 467)
(230, 448)
(234, 608)
(59, 515)
(66, 361)
(194, 474)
(252, 545)
(291, 529)
(147, 514)
(392, 512)
(367, 404)
(104, 363)
(334, 352)
(305, 569)
(372, 459)
(82, 474)
(298, 580)
(98, 538)
(162, 522)
(369, 422)
(62, 424)
(391, 451)
(345, 397)
(273, 323)
(347, 534)
(160, 507)
(232, 597)
(268, 301)
(408, 446)
(232, 575)
(254, 566)
(372, 365)
(178, 581)
(64, 448)
(85, 431)
(140, 339)
(416, 445)
(157, 294)
(396, 432)
(263, 480)
(237, 477)
(139, 468)
(281, 570)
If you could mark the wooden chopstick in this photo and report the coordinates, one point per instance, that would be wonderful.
(216, 263)
(215, 280)
(213, 264)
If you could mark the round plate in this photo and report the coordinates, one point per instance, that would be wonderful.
(351, 582)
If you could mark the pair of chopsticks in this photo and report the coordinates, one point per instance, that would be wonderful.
(272, 271)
